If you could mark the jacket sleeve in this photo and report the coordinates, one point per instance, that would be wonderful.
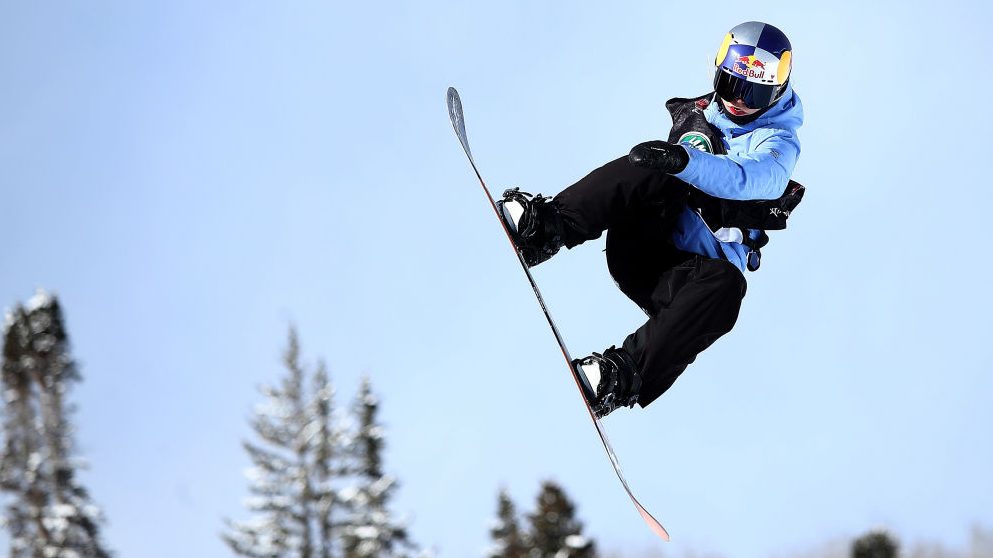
(760, 174)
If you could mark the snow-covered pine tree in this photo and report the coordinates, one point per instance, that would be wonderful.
(372, 530)
(875, 544)
(327, 440)
(554, 531)
(51, 514)
(22, 440)
(508, 541)
(297, 456)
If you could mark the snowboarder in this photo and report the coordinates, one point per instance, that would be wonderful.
(684, 217)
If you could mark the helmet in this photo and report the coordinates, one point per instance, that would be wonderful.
(753, 65)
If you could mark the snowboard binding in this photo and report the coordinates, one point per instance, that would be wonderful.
(534, 223)
(618, 382)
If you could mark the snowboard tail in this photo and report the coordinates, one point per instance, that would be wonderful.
(458, 123)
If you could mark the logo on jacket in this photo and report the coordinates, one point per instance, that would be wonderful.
(697, 141)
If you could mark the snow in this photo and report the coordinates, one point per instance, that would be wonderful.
(275, 407)
(370, 399)
(8, 321)
(496, 549)
(368, 532)
(311, 431)
(376, 432)
(576, 541)
(382, 485)
(348, 494)
(41, 299)
(255, 474)
(58, 521)
(92, 511)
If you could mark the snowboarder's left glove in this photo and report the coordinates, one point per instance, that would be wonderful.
(660, 155)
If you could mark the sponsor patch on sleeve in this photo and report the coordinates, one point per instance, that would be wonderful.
(696, 140)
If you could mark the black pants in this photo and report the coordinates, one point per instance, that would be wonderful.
(691, 300)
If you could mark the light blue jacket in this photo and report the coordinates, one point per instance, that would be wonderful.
(758, 165)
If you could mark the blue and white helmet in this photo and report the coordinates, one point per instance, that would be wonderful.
(753, 65)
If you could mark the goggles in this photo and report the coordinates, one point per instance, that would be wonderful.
(754, 95)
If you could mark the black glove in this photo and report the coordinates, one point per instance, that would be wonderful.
(660, 155)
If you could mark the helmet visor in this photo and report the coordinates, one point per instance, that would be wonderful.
(754, 95)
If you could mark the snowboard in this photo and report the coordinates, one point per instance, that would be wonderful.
(458, 122)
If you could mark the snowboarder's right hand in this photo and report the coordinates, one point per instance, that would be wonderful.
(660, 155)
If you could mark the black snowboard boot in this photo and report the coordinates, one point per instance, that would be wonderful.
(534, 223)
(609, 380)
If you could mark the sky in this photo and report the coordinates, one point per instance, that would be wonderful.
(192, 178)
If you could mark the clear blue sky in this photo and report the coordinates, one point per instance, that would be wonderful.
(193, 177)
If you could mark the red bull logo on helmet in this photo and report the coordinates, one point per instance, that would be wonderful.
(749, 67)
